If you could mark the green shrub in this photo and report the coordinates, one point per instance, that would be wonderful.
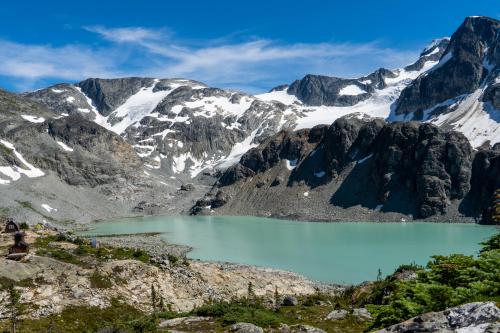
(119, 317)
(240, 311)
(99, 281)
(446, 281)
(172, 259)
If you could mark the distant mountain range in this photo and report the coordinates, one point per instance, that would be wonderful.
(127, 144)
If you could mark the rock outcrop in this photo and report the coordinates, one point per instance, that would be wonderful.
(414, 169)
(478, 317)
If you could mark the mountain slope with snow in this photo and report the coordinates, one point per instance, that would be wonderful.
(177, 131)
(461, 92)
(181, 127)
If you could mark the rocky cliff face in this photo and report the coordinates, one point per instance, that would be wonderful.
(461, 91)
(411, 169)
(108, 94)
(78, 150)
(469, 58)
(485, 179)
(56, 167)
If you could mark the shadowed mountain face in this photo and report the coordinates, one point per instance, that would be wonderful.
(408, 168)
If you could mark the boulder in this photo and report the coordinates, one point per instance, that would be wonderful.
(182, 321)
(337, 315)
(289, 301)
(298, 328)
(246, 328)
(362, 313)
(471, 317)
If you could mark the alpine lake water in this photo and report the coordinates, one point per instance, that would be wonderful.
(340, 252)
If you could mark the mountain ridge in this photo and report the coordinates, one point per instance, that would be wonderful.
(182, 131)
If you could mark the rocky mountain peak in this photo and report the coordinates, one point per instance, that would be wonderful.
(471, 55)
(316, 90)
(432, 52)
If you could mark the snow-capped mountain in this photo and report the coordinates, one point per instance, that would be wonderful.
(323, 99)
(461, 92)
(129, 135)
(183, 127)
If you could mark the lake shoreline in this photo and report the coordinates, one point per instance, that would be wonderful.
(235, 240)
(461, 220)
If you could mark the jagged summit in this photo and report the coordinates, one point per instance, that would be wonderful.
(317, 90)
(461, 91)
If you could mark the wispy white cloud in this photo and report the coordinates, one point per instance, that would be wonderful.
(130, 34)
(255, 64)
(27, 64)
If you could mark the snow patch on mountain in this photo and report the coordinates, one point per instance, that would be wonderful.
(14, 172)
(137, 107)
(280, 96)
(64, 146)
(478, 121)
(238, 150)
(33, 119)
(351, 90)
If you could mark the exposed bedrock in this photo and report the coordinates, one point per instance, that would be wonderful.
(414, 169)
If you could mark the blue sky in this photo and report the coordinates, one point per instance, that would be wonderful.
(251, 45)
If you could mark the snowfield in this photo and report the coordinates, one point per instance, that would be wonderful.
(351, 90)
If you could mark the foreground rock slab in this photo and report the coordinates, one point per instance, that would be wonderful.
(185, 287)
(478, 317)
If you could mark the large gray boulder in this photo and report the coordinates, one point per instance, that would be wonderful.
(362, 314)
(472, 317)
(337, 315)
(246, 328)
(298, 329)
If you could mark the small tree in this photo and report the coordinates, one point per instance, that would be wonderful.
(250, 292)
(276, 299)
(15, 309)
(157, 301)
(379, 275)
(161, 304)
(154, 298)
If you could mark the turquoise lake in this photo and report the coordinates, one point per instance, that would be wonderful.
(349, 252)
